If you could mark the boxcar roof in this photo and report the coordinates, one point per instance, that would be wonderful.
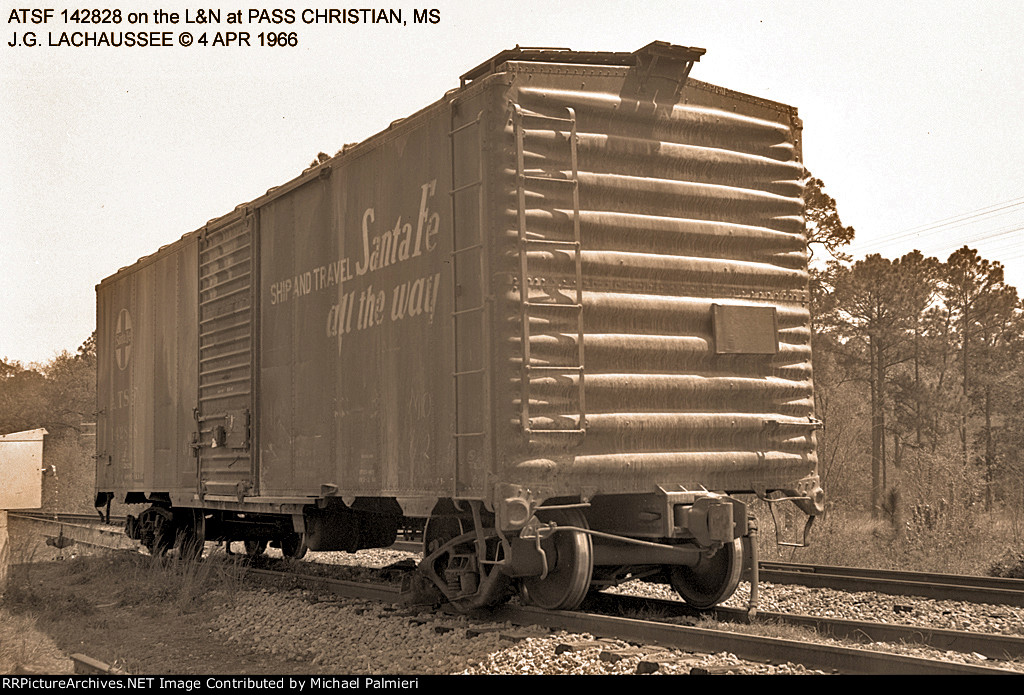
(651, 52)
(567, 55)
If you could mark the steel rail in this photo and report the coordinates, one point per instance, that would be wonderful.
(340, 587)
(846, 660)
(912, 576)
(990, 645)
(66, 516)
(927, 585)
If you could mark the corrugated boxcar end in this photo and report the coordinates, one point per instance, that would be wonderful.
(560, 314)
(647, 236)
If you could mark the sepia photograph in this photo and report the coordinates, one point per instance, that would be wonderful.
(365, 348)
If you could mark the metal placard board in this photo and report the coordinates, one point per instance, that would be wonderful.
(745, 330)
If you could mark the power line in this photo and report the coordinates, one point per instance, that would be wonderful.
(973, 217)
(994, 207)
(953, 223)
(991, 234)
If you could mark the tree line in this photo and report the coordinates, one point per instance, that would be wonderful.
(59, 395)
(918, 371)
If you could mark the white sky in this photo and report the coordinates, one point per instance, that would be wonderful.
(912, 115)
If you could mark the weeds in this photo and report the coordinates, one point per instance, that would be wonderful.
(22, 649)
(173, 581)
(958, 540)
(83, 599)
(1009, 565)
(195, 577)
(646, 613)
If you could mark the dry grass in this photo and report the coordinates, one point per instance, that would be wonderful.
(57, 602)
(25, 649)
(131, 611)
(959, 542)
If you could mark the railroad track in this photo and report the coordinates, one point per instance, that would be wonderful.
(63, 530)
(975, 589)
(993, 646)
(751, 647)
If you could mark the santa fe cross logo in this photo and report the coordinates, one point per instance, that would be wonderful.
(123, 339)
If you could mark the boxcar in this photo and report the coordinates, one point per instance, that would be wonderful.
(558, 319)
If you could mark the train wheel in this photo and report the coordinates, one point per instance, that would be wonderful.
(255, 548)
(192, 537)
(157, 530)
(712, 580)
(570, 558)
(293, 546)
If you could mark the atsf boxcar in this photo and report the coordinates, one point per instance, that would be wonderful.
(559, 317)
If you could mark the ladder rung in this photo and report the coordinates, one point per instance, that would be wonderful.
(546, 305)
(552, 242)
(469, 434)
(470, 124)
(552, 368)
(542, 117)
(526, 177)
(532, 430)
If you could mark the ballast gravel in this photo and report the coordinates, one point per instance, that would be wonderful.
(335, 635)
(360, 637)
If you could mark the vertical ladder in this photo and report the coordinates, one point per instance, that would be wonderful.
(528, 243)
(470, 310)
